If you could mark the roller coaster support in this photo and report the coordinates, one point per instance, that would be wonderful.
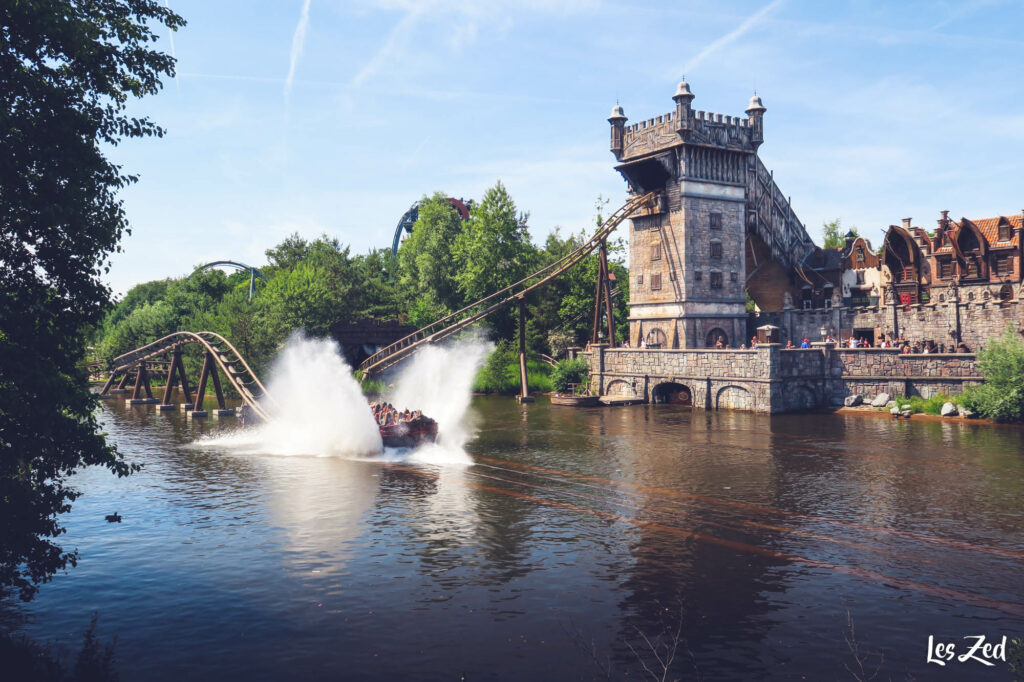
(603, 292)
(208, 372)
(524, 392)
(176, 374)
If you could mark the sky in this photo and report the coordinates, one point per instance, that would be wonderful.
(334, 116)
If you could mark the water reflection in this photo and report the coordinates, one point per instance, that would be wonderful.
(572, 529)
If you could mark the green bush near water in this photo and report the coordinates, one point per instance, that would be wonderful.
(1001, 363)
(569, 372)
(500, 374)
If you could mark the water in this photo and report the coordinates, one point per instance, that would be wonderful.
(556, 541)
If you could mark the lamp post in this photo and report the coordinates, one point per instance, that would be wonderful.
(824, 332)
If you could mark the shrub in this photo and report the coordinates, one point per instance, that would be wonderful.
(500, 374)
(1001, 363)
(569, 372)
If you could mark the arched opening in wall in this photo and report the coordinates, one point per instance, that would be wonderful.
(671, 392)
(1005, 292)
(734, 398)
(716, 338)
(972, 245)
(807, 297)
(800, 398)
(655, 338)
(901, 256)
(621, 389)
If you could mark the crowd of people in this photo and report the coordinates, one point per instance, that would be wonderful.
(387, 414)
(904, 345)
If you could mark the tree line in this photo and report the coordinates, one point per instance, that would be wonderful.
(444, 265)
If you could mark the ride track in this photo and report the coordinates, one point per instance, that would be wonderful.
(503, 298)
(242, 378)
(218, 350)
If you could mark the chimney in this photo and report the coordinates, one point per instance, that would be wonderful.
(906, 223)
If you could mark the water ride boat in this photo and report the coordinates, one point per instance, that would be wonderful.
(403, 429)
(578, 396)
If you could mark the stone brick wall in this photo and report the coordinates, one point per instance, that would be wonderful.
(770, 379)
(976, 321)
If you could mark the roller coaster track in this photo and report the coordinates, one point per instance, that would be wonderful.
(235, 368)
(474, 312)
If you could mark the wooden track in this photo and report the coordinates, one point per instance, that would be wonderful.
(231, 362)
(474, 312)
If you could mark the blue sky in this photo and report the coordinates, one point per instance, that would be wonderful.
(316, 116)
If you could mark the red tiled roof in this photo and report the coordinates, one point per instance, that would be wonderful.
(989, 227)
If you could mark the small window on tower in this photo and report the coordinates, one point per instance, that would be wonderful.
(734, 276)
(716, 280)
(716, 221)
(640, 279)
(1004, 233)
(716, 250)
(859, 255)
(656, 252)
(698, 276)
(656, 282)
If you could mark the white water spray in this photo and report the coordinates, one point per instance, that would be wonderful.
(439, 381)
(318, 408)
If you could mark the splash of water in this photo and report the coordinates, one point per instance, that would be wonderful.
(319, 408)
(439, 381)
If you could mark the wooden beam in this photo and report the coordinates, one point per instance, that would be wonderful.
(215, 375)
(203, 376)
(124, 380)
(607, 295)
(145, 382)
(524, 386)
(139, 374)
(110, 381)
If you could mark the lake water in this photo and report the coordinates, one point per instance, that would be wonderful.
(574, 544)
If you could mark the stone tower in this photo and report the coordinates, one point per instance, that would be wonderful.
(718, 220)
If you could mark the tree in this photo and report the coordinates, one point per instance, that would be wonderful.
(493, 251)
(832, 234)
(67, 71)
(426, 262)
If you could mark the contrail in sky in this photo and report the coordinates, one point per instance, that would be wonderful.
(298, 40)
(728, 38)
(170, 34)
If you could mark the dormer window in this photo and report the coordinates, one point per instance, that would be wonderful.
(1004, 232)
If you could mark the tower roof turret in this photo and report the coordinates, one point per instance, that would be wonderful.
(755, 105)
(683, 92)
(617, 113)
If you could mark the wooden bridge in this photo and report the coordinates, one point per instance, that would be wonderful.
(219, 354)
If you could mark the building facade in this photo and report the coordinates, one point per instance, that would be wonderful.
(720, 226)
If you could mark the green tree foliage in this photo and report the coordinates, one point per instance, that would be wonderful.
(832, 233)
(493, 251)
(1001, 363)
(67, 71)
(427, 267)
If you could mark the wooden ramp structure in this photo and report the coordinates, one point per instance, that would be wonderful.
(515, 294)
(218, 354)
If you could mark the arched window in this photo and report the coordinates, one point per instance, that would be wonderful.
(655, 338)
(716, 335)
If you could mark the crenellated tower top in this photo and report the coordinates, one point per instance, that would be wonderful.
(687, 126)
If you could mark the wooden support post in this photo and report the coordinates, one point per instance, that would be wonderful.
(605, 281)
(597, 307)
(524, 394)
(139, 375)
(110, 381)
(215, 375)
(145, 382)
(171, 376)
(203, 376)
(124, 381)
(182, 376)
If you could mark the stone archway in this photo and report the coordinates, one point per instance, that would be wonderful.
(734, 398)
(620, 389)
(655, 338)
(799, 397)
(712, 338)
(671, 392)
